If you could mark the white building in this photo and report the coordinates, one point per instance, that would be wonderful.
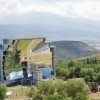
(37, 71)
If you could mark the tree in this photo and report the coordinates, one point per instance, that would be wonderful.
(98, 77)
(3, 89)
(33, 92)
(94, 78)
(72, 71)
(97, 69)
(57, 97)
(64, 72)
(88, 62)
(46, 88)
(58, 73)
(95, 60)
(54, 97)
(60, 90)
(77, 71)
(75, 86)
(87, 79)
(61, 64)
(87, 72)
(17, 56)
(90, 72)
(71, 64)
(81, 96)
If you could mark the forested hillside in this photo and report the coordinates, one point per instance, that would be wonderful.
(87, 68)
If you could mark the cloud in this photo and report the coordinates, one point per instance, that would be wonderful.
(89, 9)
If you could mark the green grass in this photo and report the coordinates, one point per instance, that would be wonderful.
(22, 46)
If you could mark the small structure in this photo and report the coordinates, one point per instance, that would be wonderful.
(93, 86)
(37, 71)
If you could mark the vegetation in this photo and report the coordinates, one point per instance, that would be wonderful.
(3, 89)
(72, 89)
(89, 69)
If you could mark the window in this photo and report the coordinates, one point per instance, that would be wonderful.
(1, 47)
(5, 41)
(4, 52)
(24, 69)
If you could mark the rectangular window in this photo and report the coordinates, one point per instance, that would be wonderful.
(1, 47)
(5, 41)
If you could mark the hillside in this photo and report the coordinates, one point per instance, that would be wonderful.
(67, 50)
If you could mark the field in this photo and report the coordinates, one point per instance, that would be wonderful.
(94, 96)
(18, 92)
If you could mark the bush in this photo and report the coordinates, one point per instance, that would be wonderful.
(98, 77)
(71, 64)
(60, 90)
(46, 88)
(75, 86)
(3, 89)
(87, 79)
(81, 96)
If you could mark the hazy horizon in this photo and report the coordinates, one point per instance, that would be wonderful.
(55, 19)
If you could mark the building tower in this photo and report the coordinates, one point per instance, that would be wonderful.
(24, 66)
(52, 49)
(3, 51)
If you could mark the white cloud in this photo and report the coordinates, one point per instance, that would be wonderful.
(89, 9)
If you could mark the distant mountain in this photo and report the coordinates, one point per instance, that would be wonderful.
(67, 50)
(47, 25)
(94, 43)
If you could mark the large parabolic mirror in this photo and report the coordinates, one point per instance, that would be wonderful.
(31, 50)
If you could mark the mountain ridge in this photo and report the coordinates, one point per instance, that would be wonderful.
(49, 26)
(67, 50)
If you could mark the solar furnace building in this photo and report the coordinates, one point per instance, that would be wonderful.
(22, 53)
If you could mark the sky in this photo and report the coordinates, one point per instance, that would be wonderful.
(89, 9)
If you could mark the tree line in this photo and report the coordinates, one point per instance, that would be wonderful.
(89, 71)
(72, 89)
